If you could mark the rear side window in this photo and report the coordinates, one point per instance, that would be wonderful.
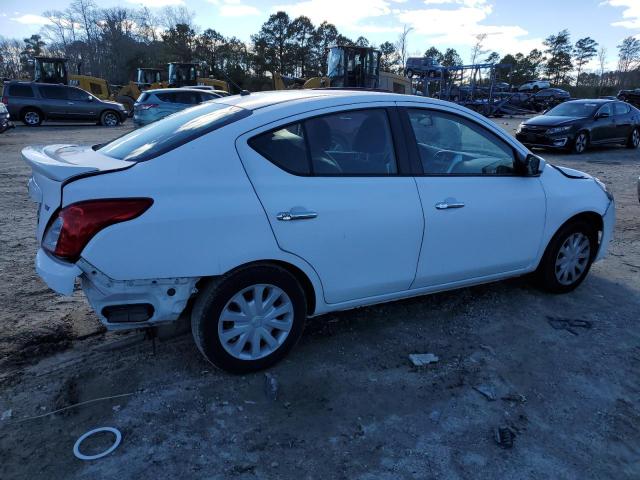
(356, 142)
(187, 97)
(54, 93)
(21, 91)
(143, 97)
(284, 147)
(171, 132)
(166, 97)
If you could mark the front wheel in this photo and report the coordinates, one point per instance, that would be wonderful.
(580, 143)
(249, 320)
(32, 117)
(634, 139)
(568, 258)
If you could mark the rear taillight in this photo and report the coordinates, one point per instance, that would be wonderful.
(70, 231)
(147, 106)
(5, 100)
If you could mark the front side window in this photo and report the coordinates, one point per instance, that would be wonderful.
(452, 145)
(606, 109)
(78, 94)
(621, 109)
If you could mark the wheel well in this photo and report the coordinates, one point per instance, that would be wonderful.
(25, 109)
(302, 278)
(592, 218)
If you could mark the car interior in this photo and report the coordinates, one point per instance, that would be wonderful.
(448, 145)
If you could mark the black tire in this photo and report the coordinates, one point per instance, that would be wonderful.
(634, 138)
(545, 274)
(109, 118)
(580, 143)
(32, 117)
(214, 297)
(409, 73)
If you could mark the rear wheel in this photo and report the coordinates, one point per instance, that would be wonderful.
(249, 320)
(580, 143)
(31, 117)
(109, 118)
(568, 257)
(634, 138)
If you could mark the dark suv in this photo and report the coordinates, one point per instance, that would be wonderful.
(630, 96)
(34, 102)
(422, 66)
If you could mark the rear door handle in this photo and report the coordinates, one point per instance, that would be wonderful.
(297, 215)
(446, 205)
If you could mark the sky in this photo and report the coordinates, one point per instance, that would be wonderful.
(511, 25)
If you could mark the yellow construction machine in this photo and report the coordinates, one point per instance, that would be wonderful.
(349, 67)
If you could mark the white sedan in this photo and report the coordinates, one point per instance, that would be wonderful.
(252, 212)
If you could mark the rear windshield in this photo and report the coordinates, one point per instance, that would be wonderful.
(143, 96)
(173, 131)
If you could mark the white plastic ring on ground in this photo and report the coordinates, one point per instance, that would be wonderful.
(81, 456)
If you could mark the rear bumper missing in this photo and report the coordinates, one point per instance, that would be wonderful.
(119, 304)
(125, 304)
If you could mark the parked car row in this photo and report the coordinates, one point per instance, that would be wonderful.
(33, 103)
(416, 186)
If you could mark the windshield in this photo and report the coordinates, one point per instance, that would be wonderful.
(172, 131)
(581, 109)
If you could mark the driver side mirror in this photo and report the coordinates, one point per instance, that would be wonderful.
(528, 166)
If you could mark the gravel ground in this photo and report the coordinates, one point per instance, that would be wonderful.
(349, 402)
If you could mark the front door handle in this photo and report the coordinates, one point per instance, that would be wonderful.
(296, 215)
(445, 205)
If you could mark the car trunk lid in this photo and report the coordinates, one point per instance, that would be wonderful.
(54, 165)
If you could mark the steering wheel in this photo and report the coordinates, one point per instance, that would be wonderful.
(447, 160)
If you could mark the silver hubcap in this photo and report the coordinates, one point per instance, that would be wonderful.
(581, 143)
(573, 258)
(32, 118)
(110, 120)
(255, 322)
(635, 139)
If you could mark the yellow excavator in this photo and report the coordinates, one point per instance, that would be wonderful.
(54, 70)
(349, 67)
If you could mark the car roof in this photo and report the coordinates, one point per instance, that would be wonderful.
(176, 89)
(599, 101)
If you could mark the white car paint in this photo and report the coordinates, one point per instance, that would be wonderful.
(374, 239)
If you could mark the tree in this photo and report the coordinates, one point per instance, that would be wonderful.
(477, 50)
(302, 34)
(180, 42)
(402, 44)
(451, 58)
(602, 62)
(273, 44)
(583, 51)
(362, 42)
(559, 50)
(389, 60)
(433, 52)
(325, 36)
(208, 47)
(493, 57)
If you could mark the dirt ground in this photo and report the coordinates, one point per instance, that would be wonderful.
(349, 403)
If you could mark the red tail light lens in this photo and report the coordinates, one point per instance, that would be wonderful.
(5, 100)
(76, 224)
